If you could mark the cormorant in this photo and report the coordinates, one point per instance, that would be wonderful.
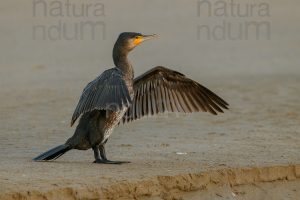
(116, 96)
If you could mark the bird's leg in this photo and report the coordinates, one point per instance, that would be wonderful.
(102, 152)
(96, 154)
(103, 158)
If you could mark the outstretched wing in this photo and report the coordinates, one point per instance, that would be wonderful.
(161, 89)
(106, 92)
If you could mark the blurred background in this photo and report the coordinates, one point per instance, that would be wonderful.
(245, 51)
(45, 38)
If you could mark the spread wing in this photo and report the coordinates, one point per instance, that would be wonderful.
(161, 89)
(106, 92)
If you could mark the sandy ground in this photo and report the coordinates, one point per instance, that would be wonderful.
(250, 152)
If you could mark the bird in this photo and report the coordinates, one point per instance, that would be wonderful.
(116, 97)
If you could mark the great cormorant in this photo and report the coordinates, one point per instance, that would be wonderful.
(116, 96)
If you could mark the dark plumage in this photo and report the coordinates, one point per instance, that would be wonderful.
(161, 89)
(106, 92)
(116, 96)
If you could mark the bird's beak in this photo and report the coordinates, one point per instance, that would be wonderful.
(143, 38)
(149, 37)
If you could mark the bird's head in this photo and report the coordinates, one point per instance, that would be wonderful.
(129, 40)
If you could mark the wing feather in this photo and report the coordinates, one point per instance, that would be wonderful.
(145, 106)
(161, 89)
(106, 92)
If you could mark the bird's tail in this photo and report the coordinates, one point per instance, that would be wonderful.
(53, 153)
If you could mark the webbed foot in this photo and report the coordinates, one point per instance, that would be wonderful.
(100, 161)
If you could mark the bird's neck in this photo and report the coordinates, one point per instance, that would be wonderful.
(121, 61)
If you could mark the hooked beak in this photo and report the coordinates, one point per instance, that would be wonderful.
(149, 37)
(143, 38)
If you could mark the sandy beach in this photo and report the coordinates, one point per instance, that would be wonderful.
(249, 152)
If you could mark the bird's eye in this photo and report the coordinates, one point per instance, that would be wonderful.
(137, 37)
